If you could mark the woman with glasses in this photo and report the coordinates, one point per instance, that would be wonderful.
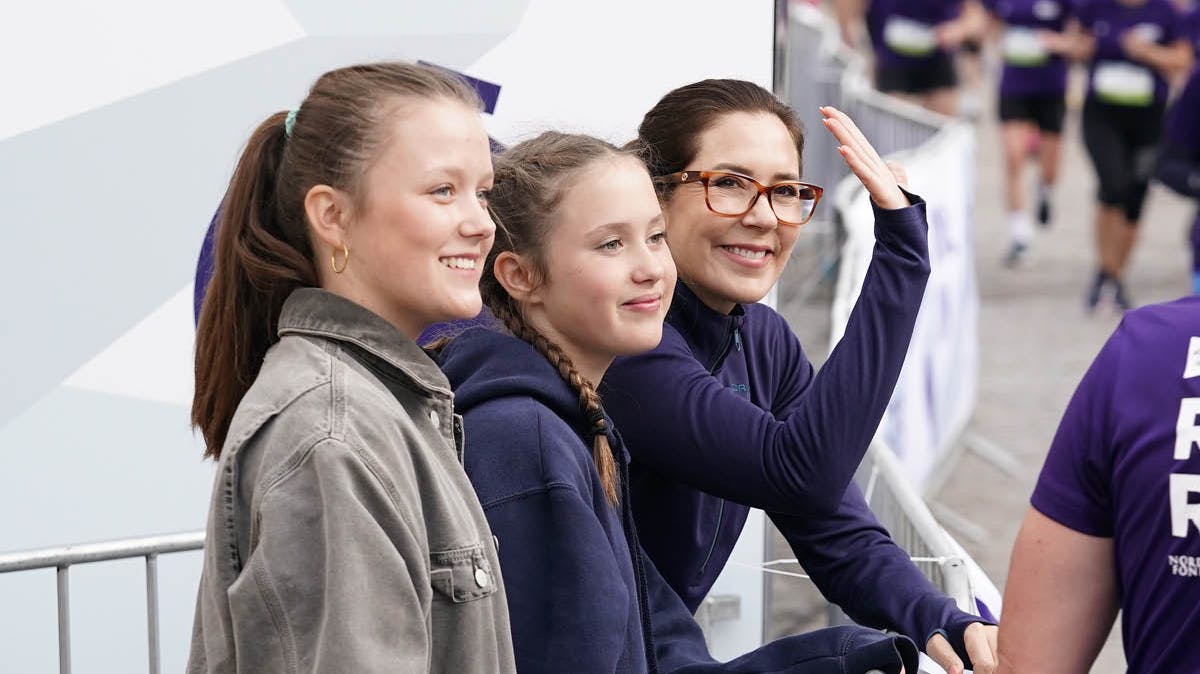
(727, 412)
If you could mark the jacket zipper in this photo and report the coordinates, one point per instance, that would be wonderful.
(735, 337)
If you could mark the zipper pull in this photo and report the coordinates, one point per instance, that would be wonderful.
(737, 339)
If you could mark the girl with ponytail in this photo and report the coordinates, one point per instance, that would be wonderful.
(579, 275)
(343, 534)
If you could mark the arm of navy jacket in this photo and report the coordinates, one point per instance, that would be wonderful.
(856, 565)
(799, 457)
(680, 647)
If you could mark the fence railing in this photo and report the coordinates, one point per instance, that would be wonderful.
(62, 559)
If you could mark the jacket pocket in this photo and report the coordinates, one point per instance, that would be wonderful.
(462, 574)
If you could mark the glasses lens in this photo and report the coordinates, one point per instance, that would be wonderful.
(729, 194)
(793, 202)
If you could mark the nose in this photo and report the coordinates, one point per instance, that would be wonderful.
(652, 265)
(761, 216)
(476, 221)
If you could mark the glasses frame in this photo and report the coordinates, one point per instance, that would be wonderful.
(702, 177)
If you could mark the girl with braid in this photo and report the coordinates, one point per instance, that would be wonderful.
(581, 273)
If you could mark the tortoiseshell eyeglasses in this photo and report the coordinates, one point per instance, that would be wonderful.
(733, 194)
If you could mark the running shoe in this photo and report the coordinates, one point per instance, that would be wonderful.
(1043, 211)
(1093, 294)
(1016, 253)
(1120, 298)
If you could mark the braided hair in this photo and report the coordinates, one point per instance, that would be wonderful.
(532, 178)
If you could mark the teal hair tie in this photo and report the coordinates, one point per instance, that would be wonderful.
(290, 122)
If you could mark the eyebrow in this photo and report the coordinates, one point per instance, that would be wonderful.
(617, 225)
(738, 168)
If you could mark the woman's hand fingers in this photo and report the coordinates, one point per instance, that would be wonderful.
(939, 650)
(876, 175)
(980, 641)
(898, 173)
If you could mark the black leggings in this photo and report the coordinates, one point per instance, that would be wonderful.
(1122, 142)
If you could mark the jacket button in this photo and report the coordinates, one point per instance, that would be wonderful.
(482, 578)
(433, 416)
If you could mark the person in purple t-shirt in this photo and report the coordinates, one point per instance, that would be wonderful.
(1132, 47)
(1179, 161)
(914, 43)
(1033, 88)
(1115, 521)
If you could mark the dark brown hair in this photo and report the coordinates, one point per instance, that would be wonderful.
(531, 180)
(669, 136)
(262, 249)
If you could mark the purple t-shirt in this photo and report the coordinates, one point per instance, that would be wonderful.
(1183, 118)
(902, 31)
(1191, 27)
(1125, 464)
(1112, 76)
(1180, 163)
(1029, 68)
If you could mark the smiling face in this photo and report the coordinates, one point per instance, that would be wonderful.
(420, 236)
(608, 274)
(734, 260)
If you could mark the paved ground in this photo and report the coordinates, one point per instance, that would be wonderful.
(1036, 342)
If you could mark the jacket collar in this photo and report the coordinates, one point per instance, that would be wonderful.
(320, 313)
(708, 332)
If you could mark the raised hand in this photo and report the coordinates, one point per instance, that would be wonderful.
(882, 179)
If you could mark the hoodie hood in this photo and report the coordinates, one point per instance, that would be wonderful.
(484, 364)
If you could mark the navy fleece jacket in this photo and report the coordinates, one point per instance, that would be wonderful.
(582, 596)
(727, 413)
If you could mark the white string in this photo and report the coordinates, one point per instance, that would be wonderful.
(765, 566)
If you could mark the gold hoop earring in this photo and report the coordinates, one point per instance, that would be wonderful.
(333, 260)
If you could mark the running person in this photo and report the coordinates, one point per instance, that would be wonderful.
(1179, 162)
(1033, 88)
(1115, 521)
(343, 534)
(581, 273)
(1132, 46)
(726, 413)
(914, 43)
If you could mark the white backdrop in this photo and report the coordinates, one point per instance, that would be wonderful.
(122, 122)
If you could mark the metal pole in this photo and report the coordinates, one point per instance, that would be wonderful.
(64, 621)
(152, 611)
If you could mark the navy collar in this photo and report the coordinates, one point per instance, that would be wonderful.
(709, 333)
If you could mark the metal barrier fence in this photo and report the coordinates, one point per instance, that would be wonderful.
(903, 512)
(64, 558)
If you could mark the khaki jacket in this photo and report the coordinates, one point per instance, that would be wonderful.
(343, 535)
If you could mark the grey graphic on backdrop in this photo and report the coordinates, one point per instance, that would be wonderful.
(111, 203)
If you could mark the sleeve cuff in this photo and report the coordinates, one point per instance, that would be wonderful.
(903, 229)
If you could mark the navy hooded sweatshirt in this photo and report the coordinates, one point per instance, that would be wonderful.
(727, 413)
(582, 595)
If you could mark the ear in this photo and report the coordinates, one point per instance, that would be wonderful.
(328, 212)
(518, 277)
